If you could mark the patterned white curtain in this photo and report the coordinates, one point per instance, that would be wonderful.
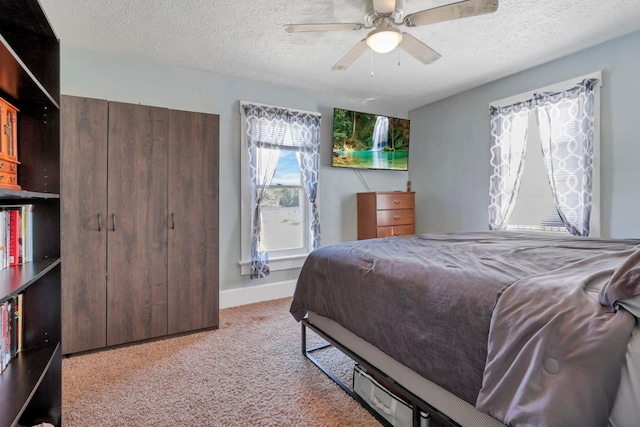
(508, 145)
(268, 128)
(307, 130)
(566, 123)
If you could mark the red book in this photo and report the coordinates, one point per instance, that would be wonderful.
(15, 224)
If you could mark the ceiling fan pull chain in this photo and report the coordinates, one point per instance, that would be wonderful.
(398, 49)
(371, 52)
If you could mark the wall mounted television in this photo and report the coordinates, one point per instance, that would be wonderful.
(369, 141)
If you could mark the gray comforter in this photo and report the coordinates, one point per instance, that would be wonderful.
(555, 353)
(428, 300)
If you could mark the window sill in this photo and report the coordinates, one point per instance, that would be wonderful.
(561, 230)
(276, 264)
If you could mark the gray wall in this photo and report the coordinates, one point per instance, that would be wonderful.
(116, 78)
(449, 167)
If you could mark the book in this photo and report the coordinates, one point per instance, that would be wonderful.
(22, 237)
(7, 239)
(14, 235)
(3, 240)
(14, 318)
(10, 330)
(19, 310)
(4, 338)
(28, 233)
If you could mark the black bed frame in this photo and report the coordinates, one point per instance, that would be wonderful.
(417, 404)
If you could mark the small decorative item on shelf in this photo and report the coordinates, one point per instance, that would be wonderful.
(8, 146)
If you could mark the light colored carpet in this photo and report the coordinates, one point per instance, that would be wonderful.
(250, 372)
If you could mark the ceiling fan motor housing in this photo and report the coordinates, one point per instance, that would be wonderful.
(371, 16)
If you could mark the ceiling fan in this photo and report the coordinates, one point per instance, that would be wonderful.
(384, 16)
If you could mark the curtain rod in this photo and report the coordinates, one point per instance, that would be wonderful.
(243, 103)
(555, 87)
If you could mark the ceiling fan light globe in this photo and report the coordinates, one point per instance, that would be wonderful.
(384, 40)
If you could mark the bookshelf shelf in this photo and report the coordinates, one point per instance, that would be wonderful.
(6, 196)
(14, 280)
(21, 380)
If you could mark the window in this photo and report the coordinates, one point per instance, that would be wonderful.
(279, 214)
(545, 159)
(535, 208)
(284, 209)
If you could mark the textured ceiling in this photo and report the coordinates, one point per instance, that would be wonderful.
(245, 38)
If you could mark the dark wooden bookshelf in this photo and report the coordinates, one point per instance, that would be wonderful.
(30, 386)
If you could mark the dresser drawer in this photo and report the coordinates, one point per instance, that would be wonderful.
(9, 180)
(396, 217)
(8, 166)
(394, 201)
(395, 230)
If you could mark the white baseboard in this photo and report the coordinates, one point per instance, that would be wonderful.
(242, 296)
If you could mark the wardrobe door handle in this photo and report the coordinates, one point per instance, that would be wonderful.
(100, 221)
(113, 221)
(173, 222)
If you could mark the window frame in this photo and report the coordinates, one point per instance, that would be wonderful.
(281, 259)
(595, 218)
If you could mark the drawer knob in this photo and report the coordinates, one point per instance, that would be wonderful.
(396, 217)
(396, 233)
(396, 201)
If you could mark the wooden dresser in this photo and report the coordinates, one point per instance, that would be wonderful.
(384, 214)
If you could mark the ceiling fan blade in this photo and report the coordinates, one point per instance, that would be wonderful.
(421, 51)
(452, 11)
(299, 28)
(352, 55)
(384, 7)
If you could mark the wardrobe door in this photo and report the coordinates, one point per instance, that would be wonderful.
(83, 205)
(193, 221)
(137, 223)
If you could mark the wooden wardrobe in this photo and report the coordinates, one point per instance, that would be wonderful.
(139, 204)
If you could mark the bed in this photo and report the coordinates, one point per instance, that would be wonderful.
(487, 328)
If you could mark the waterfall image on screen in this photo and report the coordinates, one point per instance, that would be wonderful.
(369, 141)
(380, 133)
